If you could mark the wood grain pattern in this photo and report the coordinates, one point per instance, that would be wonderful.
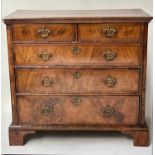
(17, 136)
(58, 88)
(29, 32)
(143, 75)
(78, 16)
(87, 112)
(91, 81)
(140, 138)
(125, 32)
(138, 133)
(12, 76)
(88, 54)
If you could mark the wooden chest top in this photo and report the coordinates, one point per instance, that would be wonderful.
(74, 16)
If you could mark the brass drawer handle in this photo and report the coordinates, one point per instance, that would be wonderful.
(109, 55)
(76, 101)
(44, 32)
(108, 111)
(45, 56)
(47, 110)
(110, 81)
(109, 32)
(47, 82)
(77, 75)
(75, 50)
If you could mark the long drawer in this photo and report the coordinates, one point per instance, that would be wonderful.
(77, 80)
(114, 110)
(59, 54)
(110, 32)
(43, 32)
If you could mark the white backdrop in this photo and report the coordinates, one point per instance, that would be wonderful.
(55, 144)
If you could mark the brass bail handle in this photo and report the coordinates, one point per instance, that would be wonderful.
(110, 81)
(109, 31)
(108, 111)
(77, 74)
(44, 32)
(47, 110)
(45, 56)
(47, 82)
(109, 55)
(76, 101)
(75, 50)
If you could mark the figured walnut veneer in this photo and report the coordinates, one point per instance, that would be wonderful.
(87, 54)
(79, 71)
(90, 110)
(63, 81)
(29, 32)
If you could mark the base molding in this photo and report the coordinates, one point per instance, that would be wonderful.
(140, 134)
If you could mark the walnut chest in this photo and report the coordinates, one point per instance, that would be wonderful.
(78, 70)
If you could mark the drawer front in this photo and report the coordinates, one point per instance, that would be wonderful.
(43, 32)
(77, 80)
(110, 32)
(77, 54)
(113, 110)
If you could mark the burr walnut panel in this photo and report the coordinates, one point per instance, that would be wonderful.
(110, 32)
(77, 54)
(77, 81)
(78, 110)
(78, 70)
(43, 32)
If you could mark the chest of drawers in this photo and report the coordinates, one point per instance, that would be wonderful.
(78, 70)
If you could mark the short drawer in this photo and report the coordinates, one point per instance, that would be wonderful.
(43, 32)
(77, 80)
(110, 32)
(118, 55)
(114, 110)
